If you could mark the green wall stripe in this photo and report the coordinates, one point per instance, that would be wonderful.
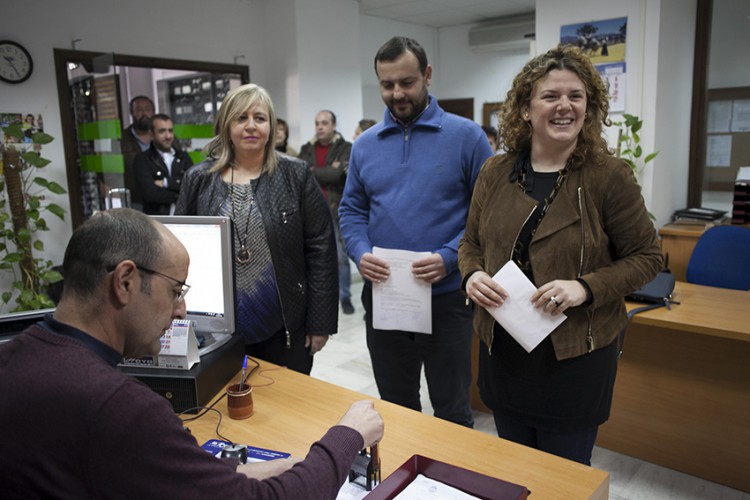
(197, 156)
(109, 163)
(105, 129)
(187, 131)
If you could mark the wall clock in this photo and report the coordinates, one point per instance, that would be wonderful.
(15, 62)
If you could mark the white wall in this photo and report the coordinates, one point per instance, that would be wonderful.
(463, 73)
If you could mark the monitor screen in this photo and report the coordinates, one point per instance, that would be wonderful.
(208, 240)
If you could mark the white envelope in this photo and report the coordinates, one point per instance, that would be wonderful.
(528, 325)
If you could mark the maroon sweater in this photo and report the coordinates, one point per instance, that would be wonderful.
(73, 426)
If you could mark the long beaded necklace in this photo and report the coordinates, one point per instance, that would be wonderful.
(243, 254)
(518, 249)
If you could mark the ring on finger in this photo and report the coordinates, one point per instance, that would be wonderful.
(554, 301)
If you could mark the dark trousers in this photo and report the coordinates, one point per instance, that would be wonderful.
(576, 446)
(273, 349)
(397, 359)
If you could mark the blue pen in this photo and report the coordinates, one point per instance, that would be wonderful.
(244, 370)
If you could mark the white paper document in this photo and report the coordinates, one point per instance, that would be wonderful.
(517, 315)
(423, 488)
(402, 302)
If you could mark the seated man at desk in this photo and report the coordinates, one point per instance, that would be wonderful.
(76, 427)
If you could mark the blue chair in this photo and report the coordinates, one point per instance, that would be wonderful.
(721, 258)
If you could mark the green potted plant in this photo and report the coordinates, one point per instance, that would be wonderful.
(629, 147)
(22, 211)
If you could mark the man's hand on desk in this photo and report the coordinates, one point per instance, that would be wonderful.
(271, 468)
(363, 418)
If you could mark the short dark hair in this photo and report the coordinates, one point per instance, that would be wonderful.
(138, 98)
(106, 239)
(393, 48)
(159, 116)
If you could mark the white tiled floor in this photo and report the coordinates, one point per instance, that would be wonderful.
(345, 361)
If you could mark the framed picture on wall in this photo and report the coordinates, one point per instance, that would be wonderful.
(489, 114)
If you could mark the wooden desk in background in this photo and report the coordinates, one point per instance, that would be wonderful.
(682, 393)
(297, 410)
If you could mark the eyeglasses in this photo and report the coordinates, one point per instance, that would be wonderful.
(178, 296)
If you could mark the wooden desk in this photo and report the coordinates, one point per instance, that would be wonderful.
(297, 410)
(682, 394)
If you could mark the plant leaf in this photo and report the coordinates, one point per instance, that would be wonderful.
(14, 130)
(57, 210)
(34, 159)
(650, 157)
(56, 188)
(7, 296)
(41, 138)
(39, 245)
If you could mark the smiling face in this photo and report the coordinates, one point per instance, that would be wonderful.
(250, 130)
(557, 110)
(403, 87)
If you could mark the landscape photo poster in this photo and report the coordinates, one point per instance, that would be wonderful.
(604, 42)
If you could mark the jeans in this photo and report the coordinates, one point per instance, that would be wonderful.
(397, 358)
(576, 446)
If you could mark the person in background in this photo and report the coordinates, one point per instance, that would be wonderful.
(363, 125)
(491, 133)
(282, 138)
(570, 215)
(284, 244)
(158, 171)
(110, 436)
(136, 139)
(328, 155)
(409, 187)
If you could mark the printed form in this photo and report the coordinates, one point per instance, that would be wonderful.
(402, 302)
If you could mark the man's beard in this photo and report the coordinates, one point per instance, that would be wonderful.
(410, 114)
(142, 124)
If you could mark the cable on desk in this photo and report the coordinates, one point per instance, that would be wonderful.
(206, 410)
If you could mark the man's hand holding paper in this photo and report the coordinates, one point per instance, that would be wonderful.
(403, 301)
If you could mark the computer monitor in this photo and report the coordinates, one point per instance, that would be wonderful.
(208, 240)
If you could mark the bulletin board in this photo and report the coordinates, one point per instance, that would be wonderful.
(727, 137)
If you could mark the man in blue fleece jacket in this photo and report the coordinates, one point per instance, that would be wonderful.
(409, 186)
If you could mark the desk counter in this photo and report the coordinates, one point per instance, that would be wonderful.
(296, 410)
(682, 393)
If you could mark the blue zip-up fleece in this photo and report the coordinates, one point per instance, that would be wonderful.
(409, 188)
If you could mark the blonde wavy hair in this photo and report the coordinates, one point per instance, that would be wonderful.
(515, 134)
(236, 102)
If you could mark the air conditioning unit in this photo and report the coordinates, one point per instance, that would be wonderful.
(512, 33)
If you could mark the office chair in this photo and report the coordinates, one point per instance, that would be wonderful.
(721, 258)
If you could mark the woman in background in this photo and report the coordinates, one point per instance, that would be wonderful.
(285, 252)
(282, 138)
(572, 218)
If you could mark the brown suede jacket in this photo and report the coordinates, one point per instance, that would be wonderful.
(597, 229)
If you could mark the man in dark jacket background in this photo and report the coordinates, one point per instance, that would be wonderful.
(158, 171)
(328, 155)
